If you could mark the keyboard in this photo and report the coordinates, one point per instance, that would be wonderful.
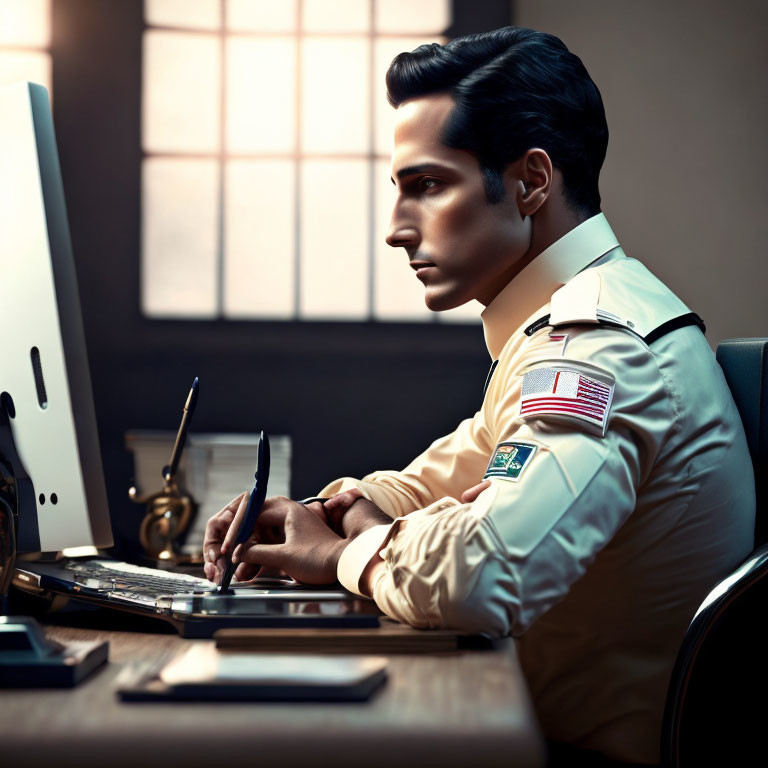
(192, 604)
(135, 582)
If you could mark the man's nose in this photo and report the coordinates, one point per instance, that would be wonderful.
(402, 234)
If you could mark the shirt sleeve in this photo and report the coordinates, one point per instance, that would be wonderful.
(496, 565)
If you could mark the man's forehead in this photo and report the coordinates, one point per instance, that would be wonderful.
(419, 126)
(423, 117)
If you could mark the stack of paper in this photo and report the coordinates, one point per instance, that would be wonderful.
(214, 468)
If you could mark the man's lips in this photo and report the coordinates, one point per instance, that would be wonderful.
(421, 266)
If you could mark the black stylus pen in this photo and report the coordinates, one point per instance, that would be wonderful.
(252, 510)
(169, 471)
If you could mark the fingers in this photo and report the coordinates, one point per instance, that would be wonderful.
(234, 526)
(269, 555)
(317, 508)
(343, 500)
(214, 571)
(245, 572)
(216, 530)
(472, 493)
(337, 506)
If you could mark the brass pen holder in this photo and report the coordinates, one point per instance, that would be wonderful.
(168, 515)
(169, 511)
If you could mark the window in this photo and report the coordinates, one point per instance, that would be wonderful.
(266, 137)
(25, 34)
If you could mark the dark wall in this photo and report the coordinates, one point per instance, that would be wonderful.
(353, 396)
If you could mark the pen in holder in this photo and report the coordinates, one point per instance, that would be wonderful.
(170, 510)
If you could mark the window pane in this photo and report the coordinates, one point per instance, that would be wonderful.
(410, 17)
(261, 102)
(181, 92)
(336, 16)
(188, 14)
(384, 114)
(259, 238)
(23, 65)
(398, 293)
(179, 237)
(25, 22)
(261, 15)
(335, 87)
(334, 239)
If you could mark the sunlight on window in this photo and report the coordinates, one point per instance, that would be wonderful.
(25, 23)
(259, 239)
(186, 14)
(335, 88)
(338, 16)
(407, 16)
(179, 237)
(25, 32)
(267, 113)
(261, 109)
(181, 93)
(23, 65)
(262, 15)
(334, 239)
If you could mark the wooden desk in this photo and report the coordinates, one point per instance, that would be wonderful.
(458, 709)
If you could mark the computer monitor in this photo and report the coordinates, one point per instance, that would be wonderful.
(45, 385)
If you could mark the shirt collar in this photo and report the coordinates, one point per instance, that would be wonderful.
(551, 269)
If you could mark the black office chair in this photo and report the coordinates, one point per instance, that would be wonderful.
(716, 703)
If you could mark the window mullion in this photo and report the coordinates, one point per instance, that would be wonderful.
(371, 163)
(297, 162)
(222, 202)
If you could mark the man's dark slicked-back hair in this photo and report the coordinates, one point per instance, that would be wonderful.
(514, 89)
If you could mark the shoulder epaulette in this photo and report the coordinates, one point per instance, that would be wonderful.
(682, 321)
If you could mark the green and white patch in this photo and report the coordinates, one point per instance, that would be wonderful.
(509, 460)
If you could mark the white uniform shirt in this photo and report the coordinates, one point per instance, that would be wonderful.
(621, 491)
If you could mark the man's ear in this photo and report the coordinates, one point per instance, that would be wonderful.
(530, 176)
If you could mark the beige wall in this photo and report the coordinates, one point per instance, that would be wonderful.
(684, 183)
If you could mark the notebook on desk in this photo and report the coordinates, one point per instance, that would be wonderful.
(52, 492)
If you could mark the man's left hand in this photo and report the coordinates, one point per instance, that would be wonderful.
(310, 551)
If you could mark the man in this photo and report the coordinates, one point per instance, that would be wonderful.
(605, 484)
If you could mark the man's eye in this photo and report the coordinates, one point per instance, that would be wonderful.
(426, 183)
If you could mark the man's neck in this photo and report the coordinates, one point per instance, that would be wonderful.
(550, 224)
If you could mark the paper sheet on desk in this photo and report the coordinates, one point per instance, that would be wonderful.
(203, 663)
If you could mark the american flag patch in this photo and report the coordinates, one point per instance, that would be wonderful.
(559, 392)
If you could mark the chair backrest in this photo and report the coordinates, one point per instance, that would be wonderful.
(745, 365)
(709, 717)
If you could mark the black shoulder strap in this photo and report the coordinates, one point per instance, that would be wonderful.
(691, 318)
(672, 325)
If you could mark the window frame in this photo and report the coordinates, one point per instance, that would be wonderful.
(371, 157)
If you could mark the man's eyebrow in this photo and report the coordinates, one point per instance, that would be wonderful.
(413, 169)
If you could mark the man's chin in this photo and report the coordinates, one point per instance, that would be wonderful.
(442, 301)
